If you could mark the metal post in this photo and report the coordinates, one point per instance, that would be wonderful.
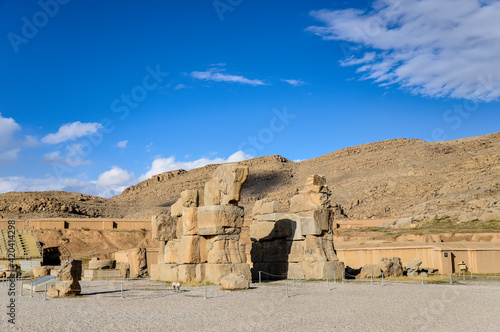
(334, 277)
(31, 292)
(106, 276)
(372, 279)
(471, 274)
(205, 290)
(328, 283)
(45, 294)
(260, 277)
(294, 278)
(343, 272)
(451, 281)
(464, 275)
(383, 279)
(287, 288)
(122, 290)
(422, 278)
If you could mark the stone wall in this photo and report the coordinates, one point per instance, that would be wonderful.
(297, 244)
(200, 237)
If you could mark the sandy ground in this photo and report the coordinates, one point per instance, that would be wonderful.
(352, 306)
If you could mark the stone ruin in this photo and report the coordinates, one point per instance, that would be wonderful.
(69, 274)
(300, 243)
(200, 237)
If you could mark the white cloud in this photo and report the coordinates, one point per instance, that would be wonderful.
(161, 165)
(72, 158)
(115, 177)
(436, 48)
(149, 147)
(122, 144)
(72, 131)
(294, 82)
(8, 127)
(180, 86)
(218, 75)
(9, 155)
(110, 183)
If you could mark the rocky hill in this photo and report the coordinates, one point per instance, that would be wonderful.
(394, 178)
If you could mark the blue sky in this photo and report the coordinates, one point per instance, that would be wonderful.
(98, 95)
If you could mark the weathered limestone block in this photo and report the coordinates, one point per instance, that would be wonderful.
(328, 248)
(313, 249)
(315, 222)
(163, 227)
(165, 272)
(70, 273)
(392, 267)
(243, 252)
(235, 281)
(189, 198)
(170, 252)
(64, 288)
(322, 270)
(138, 266)
(200, 272)
(368, 269)
(201, 197)
(217, 216)
(296, 251)
(268, 230)
(97, 264)
(315, 183)
(218, 230)
(263, 206)
(179, 232)
(124, 269)
(413, 265)
(190, 220)
(70, 270)
(41, 271)
(226, 185)
(309, 200)
(176, 208)
(187, 272)
(215, 272)
(223, 249)
(189, 249)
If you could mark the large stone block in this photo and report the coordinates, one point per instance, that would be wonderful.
(313, 249)
(200, 272)
(296, 251)
(163, 227)
(223, 249)
(187, 273)
(225, 186)
(220, 216)
(306, 201)
(170, 251)
(189, 198)
(315, 183)
(190, 220)
(215, 272)
(138, 266)
(97, 264)
(391, 267)
(235, 281)
(322, 270)
(64, 288)
(218, 230)
(263, 207)
(164, 272)
(176, 208)
(179, 232)
(71, 269)
(267, 231)
(368, 270)
(188, 250)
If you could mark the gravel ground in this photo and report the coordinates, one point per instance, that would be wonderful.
(153, 306)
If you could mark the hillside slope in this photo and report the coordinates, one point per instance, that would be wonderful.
(393, 178)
